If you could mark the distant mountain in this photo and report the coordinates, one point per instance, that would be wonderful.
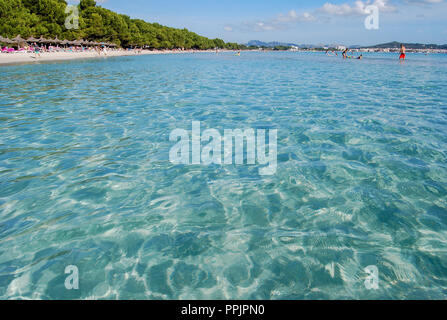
(396, 45)
(257, 43)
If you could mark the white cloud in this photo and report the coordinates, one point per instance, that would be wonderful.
(424, 1)
(324, 13)
(358, 8)
(292, 16)
(281, 22)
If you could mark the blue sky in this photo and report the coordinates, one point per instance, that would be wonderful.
(311, 22)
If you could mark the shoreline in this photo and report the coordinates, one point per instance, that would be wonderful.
(22, 58)
(30, 58)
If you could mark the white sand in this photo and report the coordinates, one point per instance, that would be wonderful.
(23, 57)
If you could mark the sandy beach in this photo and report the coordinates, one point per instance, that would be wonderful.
(25, 57)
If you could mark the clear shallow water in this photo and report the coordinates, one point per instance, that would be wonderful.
(85, 178)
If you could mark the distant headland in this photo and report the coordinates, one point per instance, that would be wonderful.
(385, 47)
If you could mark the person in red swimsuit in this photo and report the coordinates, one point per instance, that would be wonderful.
(402, 52)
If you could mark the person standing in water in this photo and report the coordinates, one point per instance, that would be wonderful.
(402, 52)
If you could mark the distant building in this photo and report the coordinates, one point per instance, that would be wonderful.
(341, 48)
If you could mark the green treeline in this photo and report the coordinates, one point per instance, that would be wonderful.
(47, 18)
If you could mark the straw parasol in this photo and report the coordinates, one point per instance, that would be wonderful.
(18, 39)
(43, 40)
(56, 40)
(6, 40)
(32, 39)
(64, 42)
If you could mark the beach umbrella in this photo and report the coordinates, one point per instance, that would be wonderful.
(52, 40)
(7, 40)
(18, 39)
(32, 39)
(43, 40)
(77, 42)
(64, 42)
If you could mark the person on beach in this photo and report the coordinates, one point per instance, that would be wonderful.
(402, 52)
(36, 51)
(345, 54)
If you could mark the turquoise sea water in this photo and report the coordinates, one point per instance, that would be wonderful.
(85, 178)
